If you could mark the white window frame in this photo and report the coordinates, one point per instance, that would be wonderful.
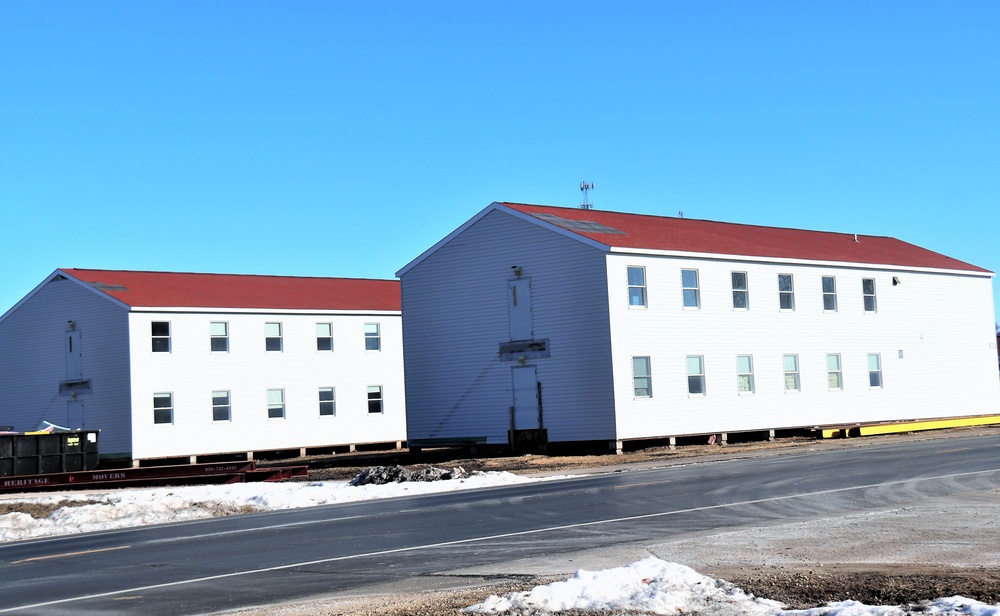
(831, 295)
(276, 403)
(834, 374)
(792, 373)
(217, 406)
(328, 403)
(745, 291)
(324, 337)
(373, 337)
(697, 374)
(377, 399)
(869, 298)
(690, 293)
(875, 372)
(636, 287)
(273, 337)
(642, 377)
(789, 292)
(159, 408)
(745, 384)
(220, 340)
(161, 343)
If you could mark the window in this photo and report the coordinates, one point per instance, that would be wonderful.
(221, 408)
(272, 339)
(219, 332)
(163, 408)
(689, 282)
(834, 376)
(161, 336)
(373, 340)
(275, 403)
(696, 374)
(327, 401)
(791, 365)
(637, 286)
(741, 296)
(642, 382)
(324, 337)
(868, 291)
(829, 294)
(786, 293)
(744, 374)
(374, 398)
(874, 370)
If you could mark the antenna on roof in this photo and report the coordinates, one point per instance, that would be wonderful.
(586, 186)
(680, 214)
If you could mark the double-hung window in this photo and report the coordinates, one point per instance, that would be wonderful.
(222, 409)
(374, 398)
(324, 336)
(373, 338)
(163, 408)
(786, 292)
(642, 381)
(219, 333)
(275, 403)
(744, 374)
(874, 370)
(161, 336)
(868, 291)
(741, 295)
(829, 294)
(791, 366)
(272, 337)
(834, 375)
(689, 285)
(696, 375)
(327, 401)
(637, 286)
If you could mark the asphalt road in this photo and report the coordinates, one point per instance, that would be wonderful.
(227, 563)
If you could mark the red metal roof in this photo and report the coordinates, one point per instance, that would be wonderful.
(639, 231)
(186, 290)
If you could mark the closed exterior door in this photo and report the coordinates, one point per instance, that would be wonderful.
(74, 414)
(74, 362)
(519, 304)
(525, 398)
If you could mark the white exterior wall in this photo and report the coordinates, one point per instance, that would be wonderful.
(33, 362)
(455, 316)
(942, 324)
(191, 372)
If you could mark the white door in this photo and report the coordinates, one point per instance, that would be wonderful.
(74, 364)
(525, 398)
(519, 304)
(74, 414)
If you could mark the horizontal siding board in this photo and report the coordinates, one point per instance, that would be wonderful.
(33, 363)
(456, 316)
(941, 323)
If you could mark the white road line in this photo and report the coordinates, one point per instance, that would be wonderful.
(251, 530)
(429, 546)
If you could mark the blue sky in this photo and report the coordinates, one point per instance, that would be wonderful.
(343, 139)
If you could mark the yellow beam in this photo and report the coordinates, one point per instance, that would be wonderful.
(939, 424)
(831, 432)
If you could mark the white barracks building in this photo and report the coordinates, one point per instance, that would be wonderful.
(171, 365)
(582, 325)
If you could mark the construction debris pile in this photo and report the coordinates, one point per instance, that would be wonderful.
(381, 475)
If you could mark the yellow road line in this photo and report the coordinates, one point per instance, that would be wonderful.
(28, 560)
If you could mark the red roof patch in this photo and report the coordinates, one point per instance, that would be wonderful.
(185, 290)
(639, 231)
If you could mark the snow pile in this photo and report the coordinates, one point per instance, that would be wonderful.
(653, 586)
(80, 513)
(650, 585)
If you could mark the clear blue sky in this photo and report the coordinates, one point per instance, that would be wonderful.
(343, 139)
